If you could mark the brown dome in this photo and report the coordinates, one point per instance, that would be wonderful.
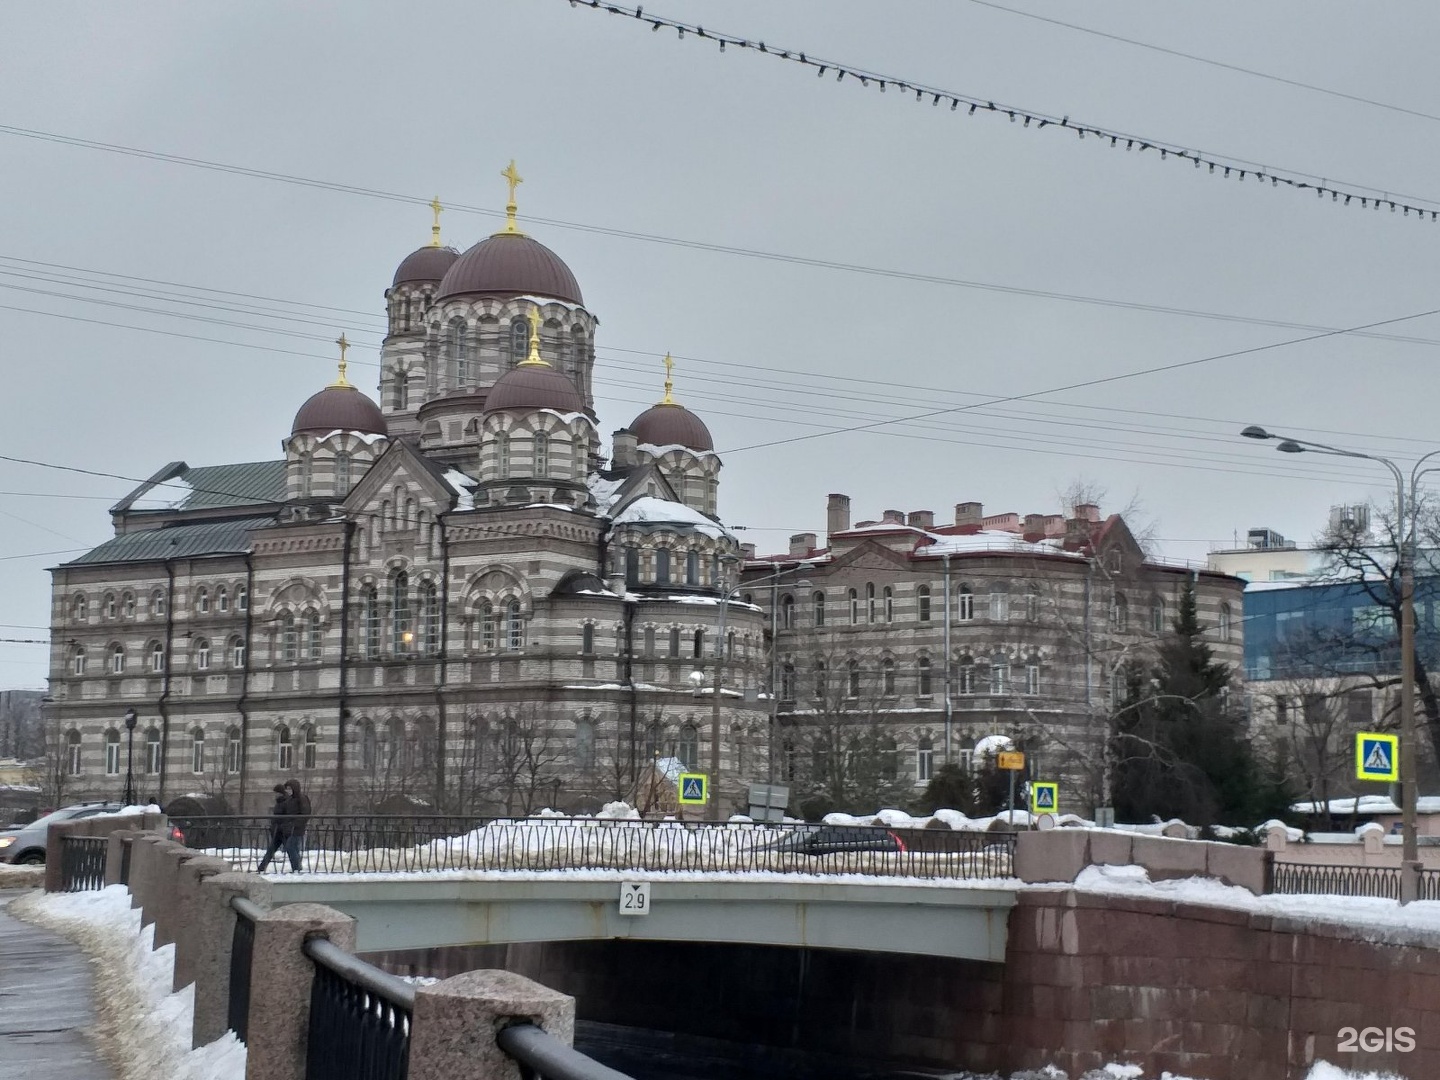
(534, 386)
(510, 264)
(339, 408)
(428, 263)
(672, 425)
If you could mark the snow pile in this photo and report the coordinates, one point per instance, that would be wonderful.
(648, 510)
(141, 1027)
(1325, 1071)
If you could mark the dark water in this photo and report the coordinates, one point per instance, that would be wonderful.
(663, 1055)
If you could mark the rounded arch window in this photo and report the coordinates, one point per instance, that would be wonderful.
(519, 340)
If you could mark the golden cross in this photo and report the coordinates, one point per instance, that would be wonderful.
(669, 382)
(435, 228)
(343, 346)
(514, 179)
(534, 358)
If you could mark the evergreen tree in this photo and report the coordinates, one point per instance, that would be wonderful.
(1178, 750)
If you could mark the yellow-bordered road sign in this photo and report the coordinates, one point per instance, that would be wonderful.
(1044, 797)
(1377, 757)
(692, 789)
(1010, 759)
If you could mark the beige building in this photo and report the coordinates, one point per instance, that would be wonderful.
(455, 595)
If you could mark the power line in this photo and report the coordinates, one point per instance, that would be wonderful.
(1207, 60)
(1368, 196)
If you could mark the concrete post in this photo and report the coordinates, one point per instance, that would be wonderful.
(453, 1028)
(280, 978)
(214, 932)
(186, 914)
(54, 881)
(172, 857)
(115, 853)
(145, 875)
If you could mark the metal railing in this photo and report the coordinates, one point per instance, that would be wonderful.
(361, 844)
(1378, 881)
(541, 1056)
(82, 863)
(242, 953)
(1429, 884)
(359, 1018)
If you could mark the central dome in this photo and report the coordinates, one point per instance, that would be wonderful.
(510, 264)
(534, 386)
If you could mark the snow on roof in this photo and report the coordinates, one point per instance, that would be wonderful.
(668, 448)
(167, 496)
(1294, 583)
(993, 540)
(369, 438)
(1367, 804)
(570, 417)
(464, 488)
(604, 491)
(546, 301)
(648, 510)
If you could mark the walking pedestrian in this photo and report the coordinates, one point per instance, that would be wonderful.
(277, 827)
(297, 806)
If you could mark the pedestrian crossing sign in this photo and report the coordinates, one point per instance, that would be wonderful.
(1377, 757)
(1044, 798)
(693, 789)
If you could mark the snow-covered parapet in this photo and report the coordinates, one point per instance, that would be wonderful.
(648, 510)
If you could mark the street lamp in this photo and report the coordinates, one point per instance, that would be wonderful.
(1405, 515)
(130, 719)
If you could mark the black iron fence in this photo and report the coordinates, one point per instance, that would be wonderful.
(82, 863)
(1378, 881)
(368, 844)
(541, 1056)
(359, 1018)
(242, 953)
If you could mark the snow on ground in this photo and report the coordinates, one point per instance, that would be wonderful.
(142, 1029)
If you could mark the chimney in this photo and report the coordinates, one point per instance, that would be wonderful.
(1034, 524)
(969, 513)
(921, 519)
(837, 513)
(893, 517)
(1087, 512)
(622, 453)
(801, 544)
(747, 551)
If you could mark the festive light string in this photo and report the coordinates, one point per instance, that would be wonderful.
(1368, 198)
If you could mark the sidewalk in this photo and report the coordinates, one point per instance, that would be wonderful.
(47, 1006)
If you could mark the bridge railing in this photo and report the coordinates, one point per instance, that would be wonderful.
(356, 844)
(82, 863)
(541, 1056)
(360, 1018)
(1331, 880)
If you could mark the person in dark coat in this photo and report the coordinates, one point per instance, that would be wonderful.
(297, 817)
(278, 814)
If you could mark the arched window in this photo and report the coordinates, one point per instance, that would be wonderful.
(852, 679)
(854, 599)
(369, 621)
(576, 357)
(514, 627)
(889, 757)
(999, 605)
(787, 682)
(314, 635)
(237, 652)
(674, 641)
(965, 676)
(289, 639)
(869, 603)
(925, 685)
(369, 750)
(887, 677)
(117, 660)
(152, 752)
(1032, 604)
(585, 744)
(1119, 686)
(79, 608)
(888, 604)
(234, 750)
(542, 454)
(342, 463)
(662, 566)
(157, 603)
(922, 602)
(519, 341)
(648, 641)
(632, 567)
(1157, 616)
(127, 605)
(999, 674)
(202, 600)
(202, 654)
(222, 599)
(112, 753)
(964, 604)
(400, 634)
(308, 746)
(72, 753)
(1224, 622)
(692, 568)
(429, 618)
(284, 749)
(818, 605)
(107, 606)
(1119, 613)
(502, 455)
(924, 759)
(77, 660)
(787, 612)
(687, 747)
(157, 658)
(197, 750)
(822, 680)
(699, 643)
(487, 626)
(307, 475)
(242, 598)
(587, 639)
(1032, 677)
(457, 360)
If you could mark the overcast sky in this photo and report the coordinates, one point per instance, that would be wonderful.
(614, 126)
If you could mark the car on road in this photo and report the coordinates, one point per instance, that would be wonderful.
(834, 839)
(27, 844)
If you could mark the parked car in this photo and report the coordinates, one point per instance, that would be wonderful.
(830, 839)
(27, 845)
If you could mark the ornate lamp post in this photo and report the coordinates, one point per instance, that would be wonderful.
(130, 719)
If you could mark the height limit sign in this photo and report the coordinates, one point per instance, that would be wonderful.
(634, 898)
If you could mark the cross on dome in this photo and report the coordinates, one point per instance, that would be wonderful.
(341, 380)
(534, 359)
(514, 179)
(669, 398)
(435, 228)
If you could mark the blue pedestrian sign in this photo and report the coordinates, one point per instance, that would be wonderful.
(1044, 797)
(693, 789)
(1377, 757)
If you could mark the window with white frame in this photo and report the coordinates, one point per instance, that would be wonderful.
(924, 760)
(237, 652)
(112, 753)
(1119, 613)
(289, 638)
(964, 604)
(1032, 679)
(854, 598)
(127, 605)
(1224, 622)
(314, 636)
(157, 603)
(869, 602)
(242, 598)
(887, 677)
(72, 753)
(77, 660)
(429, 618)
(965, 676)
(887, 603)
(852, 679)
(284, 749)
(999, 605)
(107, 607)
(925, 682)
(818, 608)
(202, 654)
(152, 752)
(79, 608)
(514, 626)
(157, 658)
(922, 602)
(202, 600)
(197, 750)
(787, 612)
(234, 750)
(999, 674)
(222, 599)
(1032, 605)
(308, 747)
(687, 747)
(117, 660)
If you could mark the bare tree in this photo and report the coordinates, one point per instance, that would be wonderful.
(528, 760)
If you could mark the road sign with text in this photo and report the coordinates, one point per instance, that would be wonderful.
(1010, 759)
(1377, 757)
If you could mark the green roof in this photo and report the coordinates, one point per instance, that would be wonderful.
(178, 486)
(230, 537)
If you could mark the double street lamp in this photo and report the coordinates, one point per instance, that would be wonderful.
(1406, 504)
(130, 719)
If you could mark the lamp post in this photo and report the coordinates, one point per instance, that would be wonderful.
(1405, 515)
(130, 719)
